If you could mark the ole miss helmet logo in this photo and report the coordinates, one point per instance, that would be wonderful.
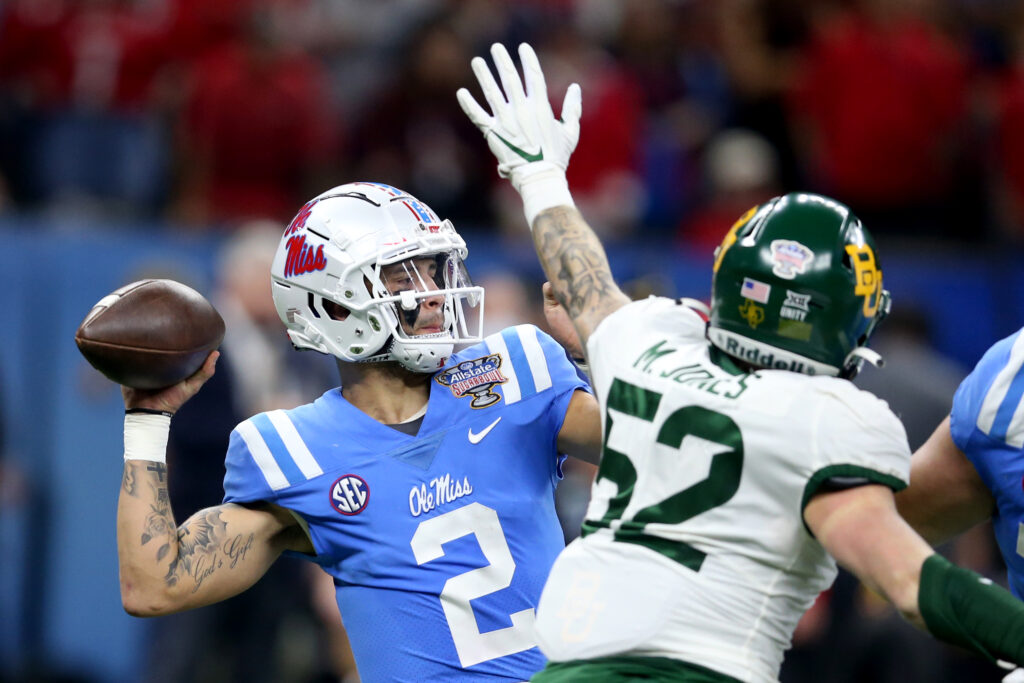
(302, 257)
(299, 222)
(350, 494)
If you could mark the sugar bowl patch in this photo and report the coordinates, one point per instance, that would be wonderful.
(789, 258)
(475, 378)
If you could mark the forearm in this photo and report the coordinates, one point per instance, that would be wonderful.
(577, 267)
(164, 569)
(147, 542)
(861, 529)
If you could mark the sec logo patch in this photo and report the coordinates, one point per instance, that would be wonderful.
(350, 494)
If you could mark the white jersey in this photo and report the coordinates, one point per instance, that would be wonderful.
(694, 543)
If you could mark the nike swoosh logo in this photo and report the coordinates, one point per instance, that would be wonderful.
(539, 156)
(478, 437)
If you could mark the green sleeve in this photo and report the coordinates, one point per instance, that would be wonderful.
(966, 609)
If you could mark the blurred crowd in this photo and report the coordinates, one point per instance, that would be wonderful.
(225, 116)
(209, 114)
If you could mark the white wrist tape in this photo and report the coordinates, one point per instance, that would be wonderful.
(544, 190)
(145, 436)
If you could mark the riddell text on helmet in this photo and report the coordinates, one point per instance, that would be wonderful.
(765, 360)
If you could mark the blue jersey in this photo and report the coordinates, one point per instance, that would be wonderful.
(439, 543)
(987, 423)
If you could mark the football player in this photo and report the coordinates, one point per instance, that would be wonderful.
(972, 467)
(739, 463)
(424, 484)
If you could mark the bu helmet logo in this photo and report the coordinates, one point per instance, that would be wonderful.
(867, 275)
(350, 494)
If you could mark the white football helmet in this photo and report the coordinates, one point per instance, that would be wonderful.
(368, 273)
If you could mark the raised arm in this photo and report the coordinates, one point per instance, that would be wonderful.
(533, 149)
(577, 267)
(216, 553)
(862, 530)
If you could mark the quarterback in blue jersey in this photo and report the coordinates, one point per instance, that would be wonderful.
(424, 484)
(972, 467)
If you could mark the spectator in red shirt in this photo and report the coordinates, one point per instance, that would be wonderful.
(880, 103)
(259, 129)
(79, 77)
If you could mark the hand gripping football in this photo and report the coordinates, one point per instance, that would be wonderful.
(150, 334)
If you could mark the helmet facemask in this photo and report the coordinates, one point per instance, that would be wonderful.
(426, 303)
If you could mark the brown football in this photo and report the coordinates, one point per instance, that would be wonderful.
(150, 334)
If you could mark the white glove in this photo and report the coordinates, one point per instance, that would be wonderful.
(531, 145)
(1015, 676)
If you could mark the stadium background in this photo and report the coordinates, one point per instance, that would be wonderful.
(140, 137)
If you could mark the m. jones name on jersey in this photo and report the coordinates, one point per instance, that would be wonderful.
(440, 490)
(693, 374)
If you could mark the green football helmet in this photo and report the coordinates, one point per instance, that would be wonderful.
(797, 286)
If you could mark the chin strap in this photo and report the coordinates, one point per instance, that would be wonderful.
(864, 353)
(697, 305)
(857, 357)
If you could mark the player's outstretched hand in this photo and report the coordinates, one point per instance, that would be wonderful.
(173, 397)
(531, 145)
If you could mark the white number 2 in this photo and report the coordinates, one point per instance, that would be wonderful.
(473, 646)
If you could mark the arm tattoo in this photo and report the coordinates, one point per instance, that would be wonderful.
(128, 482)
(202, 544)
(158, 468)
(159, 522)
(574, 260)
(204, 547)
(198, 540)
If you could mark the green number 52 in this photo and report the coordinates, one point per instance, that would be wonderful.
(717, 488)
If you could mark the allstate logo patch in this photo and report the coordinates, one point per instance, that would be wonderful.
(350, 494)
(475, 378)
